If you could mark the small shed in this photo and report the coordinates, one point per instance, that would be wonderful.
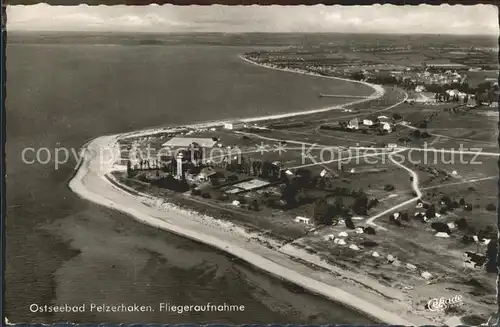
(354, 247)
(426, 275)
(329, 237)
(339, 241)
(302, 220)
(234, 125)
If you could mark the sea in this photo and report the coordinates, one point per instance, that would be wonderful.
(63, 250)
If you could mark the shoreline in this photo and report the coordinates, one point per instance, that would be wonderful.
(91, 182)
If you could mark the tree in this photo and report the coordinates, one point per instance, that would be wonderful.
(303, 178)
(349, 223)
(462, 224)
(357, 76)
(372, 203)
(491, 257)
(129, 169)
(396, 116)
(320, 210)
(289, 195)
(431, 212)
(360, 205)
(254, 205)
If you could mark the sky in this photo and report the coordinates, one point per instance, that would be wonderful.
(423, 19)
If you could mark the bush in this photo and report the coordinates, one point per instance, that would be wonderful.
(441, 227)
(206, 195)
(369, 230)
(196, 192)
(254, 205)
(461, 202)
(404, 216)
(369, 244)
(491, 207)
(395, 221)
(389, 187)
(467, 239)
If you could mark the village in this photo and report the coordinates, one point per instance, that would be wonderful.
(273, 177)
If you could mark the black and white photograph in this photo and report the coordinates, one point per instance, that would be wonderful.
(319, 164)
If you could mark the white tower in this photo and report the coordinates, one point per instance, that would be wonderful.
(178, 175)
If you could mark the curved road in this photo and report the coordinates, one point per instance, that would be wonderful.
(415, 186)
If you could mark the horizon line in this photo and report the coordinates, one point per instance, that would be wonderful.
(238, 33)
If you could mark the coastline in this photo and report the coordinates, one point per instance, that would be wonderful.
(92, 182)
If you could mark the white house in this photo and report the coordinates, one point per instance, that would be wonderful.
(443, 235)
(234, 125)
(420, 88)
(354, 247)
(302, 220)
(353, 124)
(387, 127)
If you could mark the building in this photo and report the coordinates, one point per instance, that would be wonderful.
(367, 122)
(353, 124)
(392, 146)
(471, 103)
(303, 220)
(206, 173)
(179, 174)
(186, 142)
(387, 127)
(234, 125)
(420, 88)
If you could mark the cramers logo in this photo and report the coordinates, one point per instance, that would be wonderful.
(441, 304)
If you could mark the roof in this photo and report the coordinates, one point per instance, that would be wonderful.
(185, 142)
(235, 122)
(207, 171)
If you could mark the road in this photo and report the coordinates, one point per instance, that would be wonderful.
(415, 186)
(450, 137)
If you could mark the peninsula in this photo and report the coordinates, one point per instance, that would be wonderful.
(284, 208)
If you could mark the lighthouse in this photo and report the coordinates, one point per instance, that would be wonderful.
(179, 173)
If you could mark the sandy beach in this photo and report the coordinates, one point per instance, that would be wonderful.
(94, 182)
